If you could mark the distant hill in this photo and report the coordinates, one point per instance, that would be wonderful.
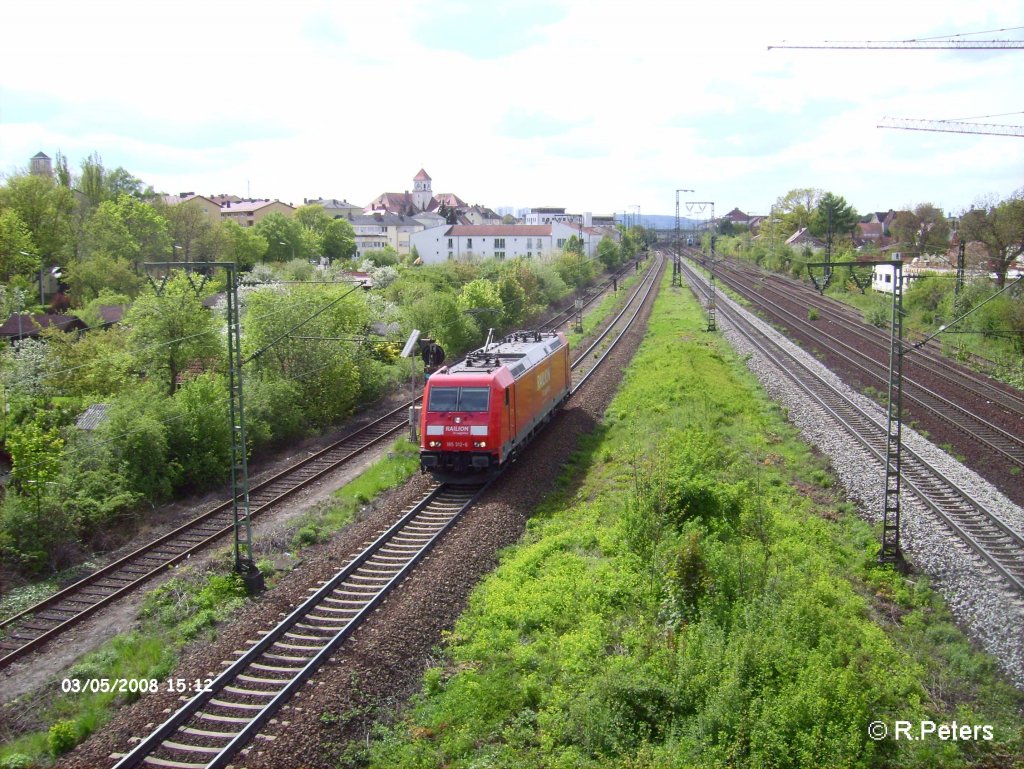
(661, 222)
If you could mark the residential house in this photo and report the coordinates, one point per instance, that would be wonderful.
(247, 212)
(378, 230)
(481, 215)
(208, 206)
(737, 217)
(802, 238)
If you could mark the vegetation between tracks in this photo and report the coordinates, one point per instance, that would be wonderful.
(698, 594)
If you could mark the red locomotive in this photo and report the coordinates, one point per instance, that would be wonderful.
(479, 413)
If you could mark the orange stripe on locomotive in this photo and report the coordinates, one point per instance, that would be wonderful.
(478, 414)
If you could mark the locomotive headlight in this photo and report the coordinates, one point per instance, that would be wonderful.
(434, 444)
(480, 444)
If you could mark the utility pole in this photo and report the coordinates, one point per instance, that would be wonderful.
(890, 551)
(700, 206)
(245, 563)
(677, 266)
(958, 286)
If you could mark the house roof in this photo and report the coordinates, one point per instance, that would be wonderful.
(449, 199)
(330, 204)
(30, 324)
(248, 205)
(383, 217)
(391, 201)
(92, 417)
(803, 236)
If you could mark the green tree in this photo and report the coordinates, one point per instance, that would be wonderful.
(438, 315)
(326, 370)
(47, 209)
(574, 269)
(833, 217)
(796, 208)
(90, 182)
(315, 219)
(170, 331)
(608, 252)
(128, 229)
(195, 237)
(35, 454)
(339, 240)
(243, 246)
(284, 237)
(481, 299)
(17, 251)
(94, 365)
(921, 231)
(101, 272)
(199, 432)
(136, 431)
(1000, 227)
(514, 302)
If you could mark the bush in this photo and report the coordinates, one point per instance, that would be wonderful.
(63, 737)
(17, 761)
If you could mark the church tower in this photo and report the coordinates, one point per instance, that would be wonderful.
(421, 192)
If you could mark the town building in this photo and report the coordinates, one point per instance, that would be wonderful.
(377, 231)
(504, 241)
(207, 205)
(337, 209)
(422, 198)
(247, 212)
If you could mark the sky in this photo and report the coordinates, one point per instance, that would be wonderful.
(591, 105)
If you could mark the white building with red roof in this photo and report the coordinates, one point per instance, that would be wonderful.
(502, 241)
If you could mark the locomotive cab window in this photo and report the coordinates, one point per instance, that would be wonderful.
(473, 399)
(458, 399)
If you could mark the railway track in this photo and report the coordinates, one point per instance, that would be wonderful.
(962, 379)
(870, 356)
(46, 620)
(211, 727)
(983, 530)
(41, 623)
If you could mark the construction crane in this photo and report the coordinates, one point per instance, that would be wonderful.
(993, 45)
(952, 126)
(928, 43)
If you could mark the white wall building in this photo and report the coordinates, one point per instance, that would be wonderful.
(378, 230)
(506, 241)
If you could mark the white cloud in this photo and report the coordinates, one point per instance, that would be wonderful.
(598, 106)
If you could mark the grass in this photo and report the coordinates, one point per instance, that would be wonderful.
(696, 592)
(324, 520)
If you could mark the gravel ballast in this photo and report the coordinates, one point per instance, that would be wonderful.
(990, 611)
